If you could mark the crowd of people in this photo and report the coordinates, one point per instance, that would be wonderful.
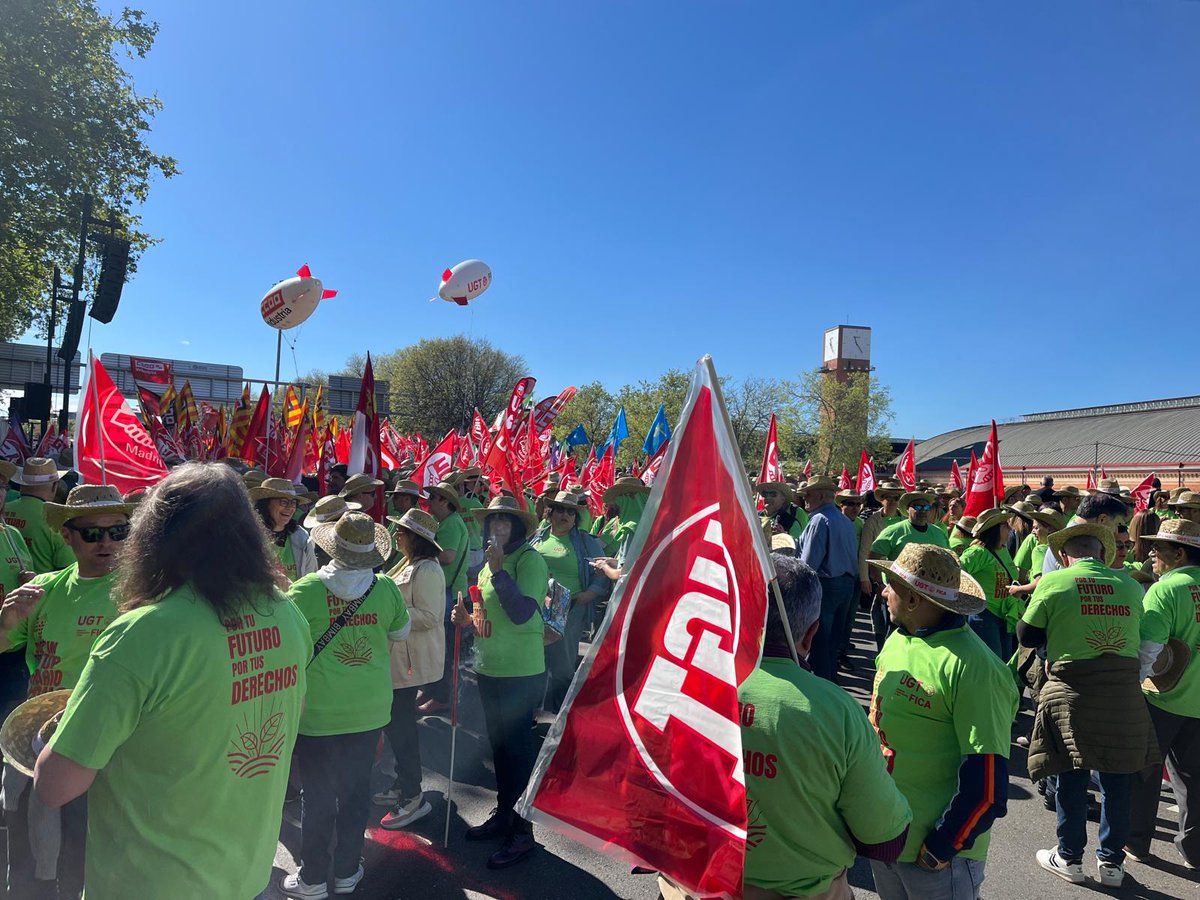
(265, 640)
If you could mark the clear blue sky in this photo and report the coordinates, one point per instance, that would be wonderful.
(992, 187)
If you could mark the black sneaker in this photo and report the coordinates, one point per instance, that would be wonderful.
(846, 664)
(496, 826)
(517, 846)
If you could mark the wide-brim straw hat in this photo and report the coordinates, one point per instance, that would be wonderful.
(914, 497)
(274, 489)
(1010, 493)
(420, 523)
(623, 487)
(1169, 667)
(1176, 491)
(818, 483)
(252, 478)
(1047, 516)
(509, 505)
(1109, 486)
(447, 492)
(409, 487)
(847, 496)
(1084, 529)
(7, 470)
(22, 737)
(935, 574)
(1069, 491)
(1022, 508)
(989, 519)
(889, 488)
(966, 525)
(36, 470)
(354, 540)
(1188, 499)
(360, 484)
(330, 509)
(1176, 531)
(783, 542)
(88, 500)
(569, 499)
(788, 490)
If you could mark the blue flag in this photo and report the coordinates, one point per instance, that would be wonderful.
(660, 433)
(620, 431)
(577, 438)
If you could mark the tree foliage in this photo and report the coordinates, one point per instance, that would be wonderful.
(71, 125)
(844, 417)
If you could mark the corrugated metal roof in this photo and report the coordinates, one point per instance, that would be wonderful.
(1144, 437)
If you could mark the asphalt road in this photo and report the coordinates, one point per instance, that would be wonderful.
(413, 864)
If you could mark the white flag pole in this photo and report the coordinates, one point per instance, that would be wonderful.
(97, 415)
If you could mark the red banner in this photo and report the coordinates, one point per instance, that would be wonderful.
(509, 417)
(14, 447)
(156, 371)
(547, 410)
(254, 442)
(112, 447)
(866, 475)
(645, 759)
(906, 467)
(956, 479)
(1142, 492)
(844, 480)
(437, 465)
(771, 470)
(985, 489)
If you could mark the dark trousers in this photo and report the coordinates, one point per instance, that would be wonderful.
(881, 621)
(336, 772)
(1179, 741)
(508, 708)
(22, 884)
(837, 602)
(562, 657)
(993, 631)
(1072, 800)
(401, 733)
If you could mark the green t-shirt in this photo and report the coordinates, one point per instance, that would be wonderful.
(994, 576)
(191, 723)
(474, 528)
(452, 535)
(504, 649)
(287, 558)
(562, 561)
(14, 558)
(48, 551)
(585, 519)
(1172, 610)
(798, 526)
(815, 780)
(893, 538)
(59, 633)
(350, 682)
(937, 699)
(1088, 610)
(1030, 555)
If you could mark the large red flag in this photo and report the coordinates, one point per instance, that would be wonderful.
(602, 479)
(508, 419)
(255, 440)
(985, 489)
(971, 464)
(327, 458)
(479, 430)
(14, 447)
(437, 465)
(1143, 491)
(653, 464)
(866, 475)
(844, 480)
(770, 470)
(645, 759)
(295, 461)
(808, 469)
(112, 447)
(156, 371)
(589, 467)
(168, 447)
(47, 441)
(1091, 480)
(547, 410)
(906, 467)
(956, 479)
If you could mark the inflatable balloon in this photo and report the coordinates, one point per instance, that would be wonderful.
(465, 282)
(293, 300)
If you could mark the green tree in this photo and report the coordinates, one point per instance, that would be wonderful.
(593, 407)
(844, 417)
(71, 125)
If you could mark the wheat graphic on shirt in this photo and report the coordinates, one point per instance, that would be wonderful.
(1109, 637)
(258, 742)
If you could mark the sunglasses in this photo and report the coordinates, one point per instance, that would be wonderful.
(93, 534)
(920, 507)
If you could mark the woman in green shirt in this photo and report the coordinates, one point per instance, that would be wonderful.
(628, 495)
(508, 665)
(988, 562)
(275, 501)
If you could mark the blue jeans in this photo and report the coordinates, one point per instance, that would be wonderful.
(1115, 800)
(837, 604)
(961, 880)
(993, 631)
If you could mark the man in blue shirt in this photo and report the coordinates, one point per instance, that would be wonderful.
(829, 545)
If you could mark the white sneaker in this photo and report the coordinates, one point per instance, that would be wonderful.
(347, 885)
(1052, 862)
(1110, 875)
(387, 798)
(406, 812)
(295, 886)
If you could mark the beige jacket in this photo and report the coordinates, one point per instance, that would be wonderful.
(419, 658)
(871, 529)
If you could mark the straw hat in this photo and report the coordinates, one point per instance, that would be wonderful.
(988, 519)
(447, 492)
(409, 487)
(354, 540)
(1069, 491)
(1109, 486)
(1084, 529)
(789, 491)
(25, 731)
(818, 483)
(329, 509)
(36, 470)
(569, 499)
(1021, 508)
(505, 504)
(1174, 531)
(914, 497)
(252, 478)
(274, 489)
(1172, 660)
(889, 488)
(625, 486)
(1048, 516)
(783, 543)
(966, 525)
(934, 574)
(7, 470)
(1188, 499)
(360, 484)
(88, 500)
(847, 496)
(420, 523)
(948, 492)
(1011, 493)
(1175, 492)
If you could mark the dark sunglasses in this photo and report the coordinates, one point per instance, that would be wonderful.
(93, 534)
(920, 507)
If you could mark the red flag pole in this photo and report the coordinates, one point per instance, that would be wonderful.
(454, 717)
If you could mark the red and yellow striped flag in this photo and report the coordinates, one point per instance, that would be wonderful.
(318, 412)
(293, 415)
(241, 421)
(189, 414)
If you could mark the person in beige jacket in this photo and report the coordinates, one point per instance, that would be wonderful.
(887, 493)
(416, 661)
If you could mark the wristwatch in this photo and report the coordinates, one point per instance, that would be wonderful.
(927, 860)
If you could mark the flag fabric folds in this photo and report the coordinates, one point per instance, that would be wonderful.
(986, 487)
(771, 470)
(659, 434)
(577, 438)
(866, 475)
(111, 445)
(618, 432)
(906, 467)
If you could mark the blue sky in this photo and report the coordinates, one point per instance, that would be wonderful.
(995, 188)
